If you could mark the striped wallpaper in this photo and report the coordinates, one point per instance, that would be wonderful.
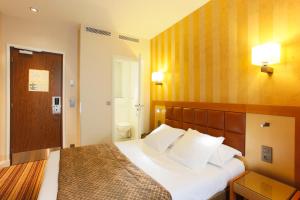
(207, 55)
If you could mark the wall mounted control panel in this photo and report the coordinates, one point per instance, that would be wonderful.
(266, 154)
(56, 105)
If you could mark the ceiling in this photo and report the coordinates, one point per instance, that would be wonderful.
(138, 18)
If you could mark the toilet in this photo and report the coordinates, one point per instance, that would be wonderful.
(124, 129)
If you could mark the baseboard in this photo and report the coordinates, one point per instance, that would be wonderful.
(4, 163)
(31, 156)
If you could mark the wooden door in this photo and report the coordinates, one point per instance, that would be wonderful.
(33, 124)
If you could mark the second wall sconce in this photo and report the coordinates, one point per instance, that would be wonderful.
(265, 55)
(157, 78)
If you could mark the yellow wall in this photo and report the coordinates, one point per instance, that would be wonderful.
(207, 55)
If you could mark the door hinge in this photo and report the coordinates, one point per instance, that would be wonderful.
(12, 60)
(11, 106)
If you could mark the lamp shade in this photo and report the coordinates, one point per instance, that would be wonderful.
(266, 54)
(157, 77)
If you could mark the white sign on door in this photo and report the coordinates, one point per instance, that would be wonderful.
(38, 80)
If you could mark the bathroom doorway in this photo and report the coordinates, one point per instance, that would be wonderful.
(126, 99)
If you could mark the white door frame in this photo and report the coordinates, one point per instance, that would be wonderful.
(137, 59)
(8, 93)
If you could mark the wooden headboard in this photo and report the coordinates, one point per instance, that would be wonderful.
(186, 114)
(231, 125)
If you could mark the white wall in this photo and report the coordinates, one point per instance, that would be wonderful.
(50, 36)
(2, 98)
(96, 61)
(64, 37)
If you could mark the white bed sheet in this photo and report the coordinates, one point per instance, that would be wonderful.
(49, 186)
(182, 182)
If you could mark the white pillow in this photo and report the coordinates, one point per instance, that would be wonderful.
(162, 137)
(223, 154)
(194, 149)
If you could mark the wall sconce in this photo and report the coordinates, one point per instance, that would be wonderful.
(266, 54)
(157, 78)
(265, 124)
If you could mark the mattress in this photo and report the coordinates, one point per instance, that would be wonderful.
(180, 181)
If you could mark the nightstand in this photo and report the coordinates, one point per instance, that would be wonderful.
(296, 196)
(258, 187)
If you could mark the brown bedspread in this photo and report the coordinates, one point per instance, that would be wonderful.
(103, 172)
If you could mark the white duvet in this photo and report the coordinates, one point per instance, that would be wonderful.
(182, 182)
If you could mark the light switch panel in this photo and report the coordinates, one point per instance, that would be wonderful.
(72, 83)
(266, 154)
(72, 103)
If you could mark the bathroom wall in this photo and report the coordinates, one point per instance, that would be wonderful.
(125, 84)
(121, 92)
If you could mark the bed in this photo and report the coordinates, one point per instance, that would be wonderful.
(180, 181)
